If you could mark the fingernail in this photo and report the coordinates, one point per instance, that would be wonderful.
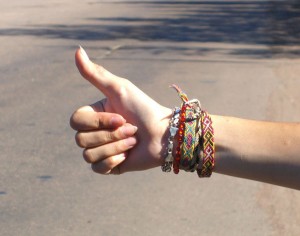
(130, 141)
(129, 130)
(135, 128)
(83, 53)
(117, 121)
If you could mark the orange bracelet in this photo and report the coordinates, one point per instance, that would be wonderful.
(180, 139)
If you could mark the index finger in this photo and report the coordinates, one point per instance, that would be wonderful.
(86, 118)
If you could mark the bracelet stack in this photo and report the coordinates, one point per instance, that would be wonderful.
(194, 133)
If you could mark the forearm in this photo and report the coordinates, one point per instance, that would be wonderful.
(262, 151)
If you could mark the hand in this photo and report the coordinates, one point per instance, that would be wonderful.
(102, 126)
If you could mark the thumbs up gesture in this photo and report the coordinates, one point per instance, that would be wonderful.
(126, 131)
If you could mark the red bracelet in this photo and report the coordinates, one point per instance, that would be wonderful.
(180, 139)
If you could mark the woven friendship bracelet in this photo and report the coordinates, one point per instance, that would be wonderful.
(198, 153)
(188, 159)
(208, 161)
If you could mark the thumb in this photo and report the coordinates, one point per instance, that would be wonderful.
(102, 79)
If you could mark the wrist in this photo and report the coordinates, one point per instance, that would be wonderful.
(164, 135)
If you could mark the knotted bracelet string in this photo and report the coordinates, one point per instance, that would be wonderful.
(195, 134)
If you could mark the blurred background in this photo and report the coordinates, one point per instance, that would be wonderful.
(240, 58)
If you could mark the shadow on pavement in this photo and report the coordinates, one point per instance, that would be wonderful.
(275, 24)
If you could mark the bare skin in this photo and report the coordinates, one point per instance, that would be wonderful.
(118, 135)
(263, 151)
(135, 107)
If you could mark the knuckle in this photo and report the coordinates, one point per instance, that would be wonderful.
(99, 69)
(88, 156)
(119, 133)
(77, 116)
(108, 136)
(122, 87)
(93, 71)
(74, 120)
(126, 83)
(104, 166)
(119, 147)
(101, 121)
(80, 140)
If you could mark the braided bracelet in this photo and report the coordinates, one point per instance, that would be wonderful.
(208, 161)
(188, 159)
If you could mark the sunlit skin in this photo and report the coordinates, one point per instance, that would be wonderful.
(128, 131)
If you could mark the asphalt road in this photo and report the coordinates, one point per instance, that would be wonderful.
(239, 57)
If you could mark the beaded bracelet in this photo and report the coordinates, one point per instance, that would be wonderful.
(173, 127)
(176, 162)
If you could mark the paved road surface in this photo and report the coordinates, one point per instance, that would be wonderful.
(244, 57)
